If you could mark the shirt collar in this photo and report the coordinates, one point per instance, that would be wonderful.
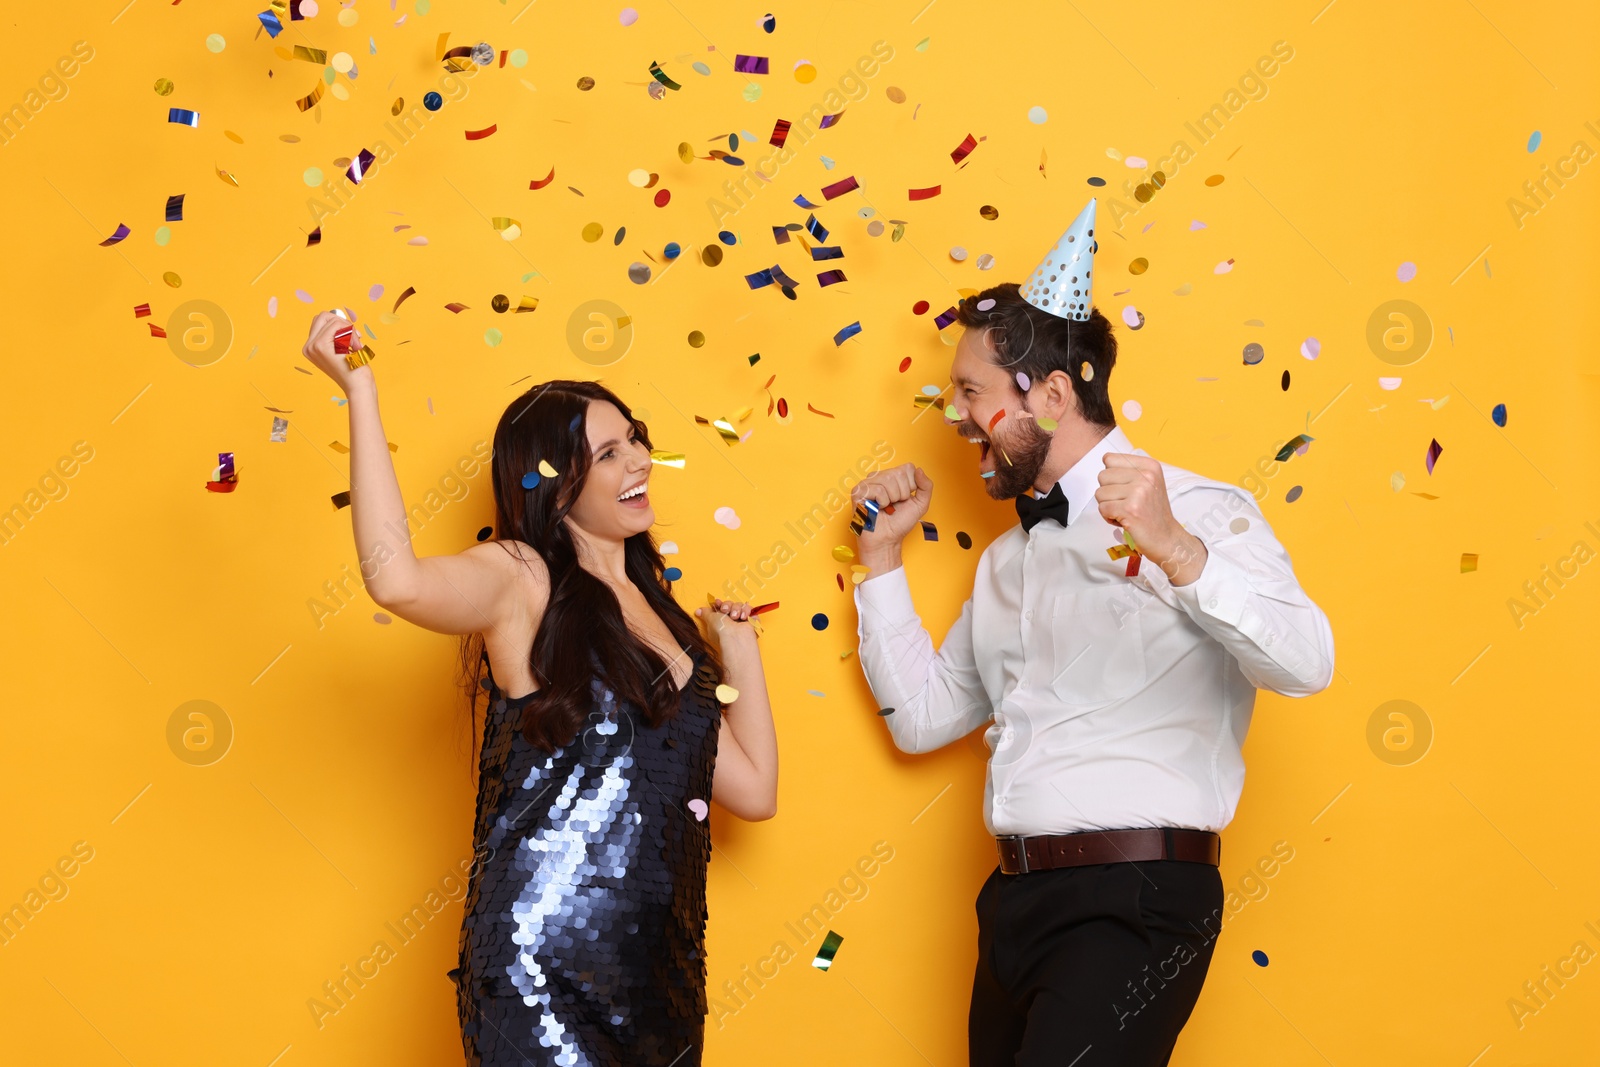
(1079, 483)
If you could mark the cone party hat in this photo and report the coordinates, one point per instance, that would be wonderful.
(1060, 285)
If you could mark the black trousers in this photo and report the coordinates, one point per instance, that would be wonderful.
(1095, 966)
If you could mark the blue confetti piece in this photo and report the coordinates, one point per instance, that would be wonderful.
(183, 116)
(1533, 141)
(672, 574)
(780, 235)
(845, 334)
(727, 237)
(432, 101)
(760, 279)
(530, 480)
(672, 251)
(827, 252)
(1097, 182)
(870, 523)
(270, 21)
(803, 202)
(1498, 414)
(1260, 958)
(930, 532)
(816, 692)
(816, 229)
(819, 621)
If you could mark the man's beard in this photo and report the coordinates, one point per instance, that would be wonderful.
(1026, 447)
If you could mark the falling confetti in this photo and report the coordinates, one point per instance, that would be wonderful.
(825, 953)
(1469, 562)
(1434, 451)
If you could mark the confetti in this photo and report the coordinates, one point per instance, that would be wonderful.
(1311, 348)
(1498, 414)
(184, 117)
(1253, 354)
(1038, 116)
(727, 694)
(825, 953)
(1131, 410)
(726, 517)
(280, 429)
(845, 334)
(1259, 957)
(478, 135)
(839, 188)
(1406, 271)
(964, 149)
(1295, 446)
(925, 194)
(224, 479)
(1533, 140)
(930, 532)
(1215, 179)
(819, 621)
(698, 808)
(750, 64)
(1434, 451)
(1292, 495)
(1469, 562)
(1132, 317)
(120, 235)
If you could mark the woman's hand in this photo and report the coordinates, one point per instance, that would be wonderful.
(319, 349)
(724, 618)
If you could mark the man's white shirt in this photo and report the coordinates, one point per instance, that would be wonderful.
(1112, 701)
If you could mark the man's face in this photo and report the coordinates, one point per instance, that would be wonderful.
(1014, 449)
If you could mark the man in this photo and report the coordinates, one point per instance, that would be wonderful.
(1113, 643)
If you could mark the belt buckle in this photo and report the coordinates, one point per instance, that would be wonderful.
(1022, 851)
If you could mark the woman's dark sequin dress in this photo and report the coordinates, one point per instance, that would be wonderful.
(583, 942)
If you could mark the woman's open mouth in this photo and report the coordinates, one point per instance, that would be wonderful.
(637, 497)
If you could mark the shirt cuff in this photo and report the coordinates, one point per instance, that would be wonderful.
(885, 599)
(1220, 591)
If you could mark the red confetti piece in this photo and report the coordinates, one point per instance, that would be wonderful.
(919, 308)
(839, 188)
(1133, 565)
(925, 194)
(997, 417)
(410, 292)
(763, 608)
(478, 135)
(962, 150)
(840, 579)
(905, 364)
(814, 411)
(540, 183)
(783, 408)
(459, 308)
(156, 331)
(780, 133)
(141, 311)
(662, 196)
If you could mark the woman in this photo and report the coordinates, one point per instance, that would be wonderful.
(583, 939)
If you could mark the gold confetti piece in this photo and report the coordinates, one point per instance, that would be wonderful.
(725, 428)
(593, 232)
(545, 469)
(318, 56)
(307, 102)
(742, 414)
(235, 138)
(527, 303)
(1086, 372)
(410, 292)
(843, 554)
(1139, 266)
(1397, 481)
(510, 229)
(686, 151)
(726, 694)
(229, 178)
(1183, 290)
(814, 411)
(668, 459)
(1469, 562)
(172, 279)
(929, 402)
(398, 106)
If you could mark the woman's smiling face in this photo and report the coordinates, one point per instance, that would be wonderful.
(615, 501)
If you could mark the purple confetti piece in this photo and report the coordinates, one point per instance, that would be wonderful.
(828, 252)
(803, 202)
(750, 64)
(760, 279)
(816, 229)
(1434, 449)
(828, 277)
(945, 318)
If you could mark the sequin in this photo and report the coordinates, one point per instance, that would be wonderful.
(583, 942)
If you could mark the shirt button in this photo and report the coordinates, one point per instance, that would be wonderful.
(1211, 603)
(999, 800)
(1270, 637)
(1028, 614)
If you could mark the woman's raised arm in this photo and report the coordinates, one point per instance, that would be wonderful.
(469, 592)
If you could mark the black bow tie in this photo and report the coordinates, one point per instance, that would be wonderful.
(1031, 509)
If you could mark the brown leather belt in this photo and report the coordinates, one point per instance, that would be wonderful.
(1019, 855)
